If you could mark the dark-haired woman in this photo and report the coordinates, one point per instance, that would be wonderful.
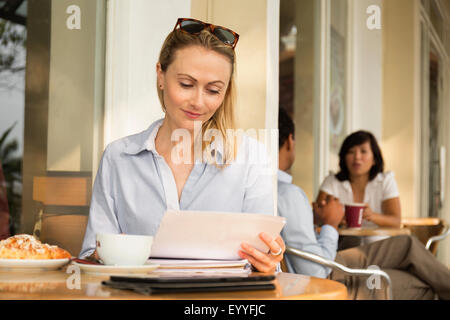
(361, 180)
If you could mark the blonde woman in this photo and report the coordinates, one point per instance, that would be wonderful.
(143, 175)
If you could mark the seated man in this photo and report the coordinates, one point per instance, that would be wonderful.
(414, 271)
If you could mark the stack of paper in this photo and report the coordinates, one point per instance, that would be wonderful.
(211, 267)
(205, 242)
(212, 235)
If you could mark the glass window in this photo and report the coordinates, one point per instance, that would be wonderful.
(426, 5)
(338, 80)
(299, 69)
(435, 132)
(437, 20)
(51, 88)
(13, 50)
(302, 81)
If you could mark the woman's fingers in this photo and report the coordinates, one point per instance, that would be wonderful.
(275, 248)
(261, 267)
(264, 262)
(281, 243)
(255, 253)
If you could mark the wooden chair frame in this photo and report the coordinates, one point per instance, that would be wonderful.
(415, 225)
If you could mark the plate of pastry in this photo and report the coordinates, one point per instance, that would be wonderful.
(25, 252)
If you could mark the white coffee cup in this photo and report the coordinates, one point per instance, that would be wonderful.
(123, 249)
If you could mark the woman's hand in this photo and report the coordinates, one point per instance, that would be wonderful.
(264, 262)
(94, 257)
(330, 212)
(391, 216)
(368, 214)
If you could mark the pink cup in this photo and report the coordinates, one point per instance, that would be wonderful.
(354, 214)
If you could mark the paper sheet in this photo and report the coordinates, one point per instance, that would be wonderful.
(195, 264)
(212, 272)
(212, 235)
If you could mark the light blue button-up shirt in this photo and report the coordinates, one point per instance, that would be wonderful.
(134, 186)
(299, 229)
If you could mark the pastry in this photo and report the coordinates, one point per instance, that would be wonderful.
(24, 246)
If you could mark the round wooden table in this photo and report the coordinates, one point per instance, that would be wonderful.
(58, 285)
(373, 231)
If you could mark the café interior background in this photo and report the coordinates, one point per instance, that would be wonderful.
(78, 74)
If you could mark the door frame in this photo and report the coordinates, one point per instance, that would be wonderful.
(428, 37)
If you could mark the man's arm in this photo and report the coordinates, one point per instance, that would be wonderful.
(299, 232)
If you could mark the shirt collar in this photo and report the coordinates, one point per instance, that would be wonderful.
(379, 177)
(284, 176)
(150, 143)
(146, 141)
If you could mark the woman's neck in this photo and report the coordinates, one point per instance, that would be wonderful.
(163, 141)
(359, 181)
(358, 184)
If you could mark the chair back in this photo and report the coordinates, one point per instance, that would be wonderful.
(66, 231)
(425, 228)
(283, 265)
(68, 198)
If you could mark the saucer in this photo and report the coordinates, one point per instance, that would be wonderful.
(104, 269)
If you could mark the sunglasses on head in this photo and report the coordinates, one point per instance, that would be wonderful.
(193, 26)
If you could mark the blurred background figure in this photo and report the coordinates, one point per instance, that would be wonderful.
(415, 273)
(362, 68)
(361, 179)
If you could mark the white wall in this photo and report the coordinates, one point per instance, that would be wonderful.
(75, 81)
(272, 86)
(135, 33)
(401, 72)
(366, 97)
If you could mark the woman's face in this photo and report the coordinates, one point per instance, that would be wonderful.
(359, 159)
(194, 85)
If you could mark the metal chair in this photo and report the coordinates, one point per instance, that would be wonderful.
(437, 238)
(428, 230)
(336, 266)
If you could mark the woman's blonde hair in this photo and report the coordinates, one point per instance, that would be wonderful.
(223, 119)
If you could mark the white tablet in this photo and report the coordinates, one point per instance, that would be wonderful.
(212, 235)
